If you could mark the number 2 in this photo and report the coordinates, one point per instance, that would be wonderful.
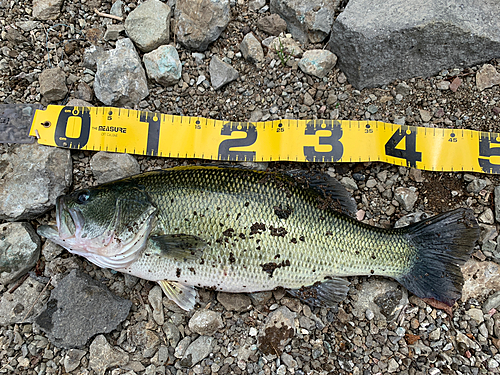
(226, 147)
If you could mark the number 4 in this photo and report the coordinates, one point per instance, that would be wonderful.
(409, 153)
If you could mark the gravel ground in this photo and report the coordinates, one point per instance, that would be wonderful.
(420, 340)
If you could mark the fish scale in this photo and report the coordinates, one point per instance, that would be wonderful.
(237, 230)
(347, 251)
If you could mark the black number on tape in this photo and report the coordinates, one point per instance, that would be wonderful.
(154, 121)
(486, 150)
(60, 137)
(335, 154)
(409, 153)
(225, 151)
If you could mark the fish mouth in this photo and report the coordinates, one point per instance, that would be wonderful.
(48, 231)
(69, 225)
(69, 220)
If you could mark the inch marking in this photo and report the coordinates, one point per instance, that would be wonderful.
(409, 153)
(335, 128)
(61, 138)
(154, 122)
(226, 151)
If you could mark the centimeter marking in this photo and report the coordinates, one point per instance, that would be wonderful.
(156, 134)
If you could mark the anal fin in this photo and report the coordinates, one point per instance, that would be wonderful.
(326, 294)
(183, 295)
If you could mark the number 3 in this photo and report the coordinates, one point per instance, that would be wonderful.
(333, 140)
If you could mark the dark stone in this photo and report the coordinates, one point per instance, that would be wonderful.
(388, 303)
(79, 308)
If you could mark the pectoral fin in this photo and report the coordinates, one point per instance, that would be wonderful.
(179, 246)
(325, 294)
(184, 296)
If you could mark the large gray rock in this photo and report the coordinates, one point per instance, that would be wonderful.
(120, 79)
(197, 351)
(142, 336)
(117, 8)
(378, 41)
(480, 279)
(155, 298)
(27, 26)
(307, 20)
(487, 77)
(272, 24)
(31, 178)
(277, 331)
(285, 47)
(109, 166)
(15, 36)
(205, 322)
(381, 297)
(234, 301)
(148, 25)
(84, 92)
(406, 197)
(221, 73)
(19, 250)
(200, 22)
(73, 357)
(80, 307)
(163, 65)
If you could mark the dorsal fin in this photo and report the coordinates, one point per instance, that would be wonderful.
(328, 187)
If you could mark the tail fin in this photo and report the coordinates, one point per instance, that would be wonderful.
(443, 243)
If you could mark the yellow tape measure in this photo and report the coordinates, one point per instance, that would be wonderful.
(155, 134)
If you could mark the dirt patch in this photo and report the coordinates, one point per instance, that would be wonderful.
(273, 339)
(442, 192)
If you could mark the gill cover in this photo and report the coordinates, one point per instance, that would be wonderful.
(122, 243)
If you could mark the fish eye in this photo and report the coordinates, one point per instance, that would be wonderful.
(83, 197)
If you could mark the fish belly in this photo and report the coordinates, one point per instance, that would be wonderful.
(249, 250)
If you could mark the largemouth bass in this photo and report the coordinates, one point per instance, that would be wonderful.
(237, 230)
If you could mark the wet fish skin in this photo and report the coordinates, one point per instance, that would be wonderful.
(237, 230)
